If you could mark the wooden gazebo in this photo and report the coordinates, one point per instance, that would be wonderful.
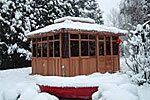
(75, 46)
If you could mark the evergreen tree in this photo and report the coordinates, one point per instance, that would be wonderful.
(93, 11)
(81, 8)
(18, 17)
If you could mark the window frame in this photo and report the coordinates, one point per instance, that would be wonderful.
(104, 43)
(53, 40)
(84, 40)
(92, 40)
(114, 40)
(73, 39)
(109, 44)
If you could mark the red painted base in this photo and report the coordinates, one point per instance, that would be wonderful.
(70, 92)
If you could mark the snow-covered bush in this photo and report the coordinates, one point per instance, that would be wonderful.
(139, 55)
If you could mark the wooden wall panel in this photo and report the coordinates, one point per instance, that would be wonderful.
(115, 63)
(74, 67)
(109, 64)
(57, 67)
(45, 66)
(66, 64)
(101, 65)
(50, 67)
(39, 66)
(84, 66)
(34, 66)
(92, 65)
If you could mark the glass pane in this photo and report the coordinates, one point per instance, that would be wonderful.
(51, 49)
(39, 50)
(65, 45)
(84, 36)
(108, 48)
(84, 48)
(92, 37)
(51, 38)
(44, 39)
(34, 50)
(56, 49)
(34, 40)
(74, 48)
(92, 48)
(74, 36)
(114, 37)
(56, 36)
(107, 38)
(101, 48)
(115, 48)
(38, 39)
(101, 37)
(44, 49)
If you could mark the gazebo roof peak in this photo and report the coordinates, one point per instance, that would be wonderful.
(75, 19)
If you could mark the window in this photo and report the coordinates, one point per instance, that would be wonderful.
(34, 40)
(92, 48)
(65, 44)
(50, 49)
(51, 38)
(56, 49)
(74, 48)
(115, 45)
(38, 39)
(101, 48)
(84, 48)
(101, 37)
(115, 48)
(39, 50)
(114, 37)
(108, 47)
(44, 49)
(93, 37)
(74, 36)
(56, 36)
(44, 39)
(101, 45)
(84, 36)
(34, 50)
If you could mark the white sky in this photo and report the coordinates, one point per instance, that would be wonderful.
(106, 6)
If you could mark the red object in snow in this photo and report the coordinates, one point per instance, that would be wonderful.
(70, 92)
(119, 40)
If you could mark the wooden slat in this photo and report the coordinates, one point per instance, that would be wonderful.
(66, 64)
(101, 64)
(44, 66)
(34, 65)
(50, 66)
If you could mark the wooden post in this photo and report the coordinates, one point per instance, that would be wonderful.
(112, 59)
(105, 51)
(97, 51)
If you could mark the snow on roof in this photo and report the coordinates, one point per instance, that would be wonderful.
(68, 24)
(75, 19)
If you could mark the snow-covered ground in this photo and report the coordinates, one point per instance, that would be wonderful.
(17, 84)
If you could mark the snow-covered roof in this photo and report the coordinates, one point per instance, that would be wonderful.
(69, 24)
(88, 20)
